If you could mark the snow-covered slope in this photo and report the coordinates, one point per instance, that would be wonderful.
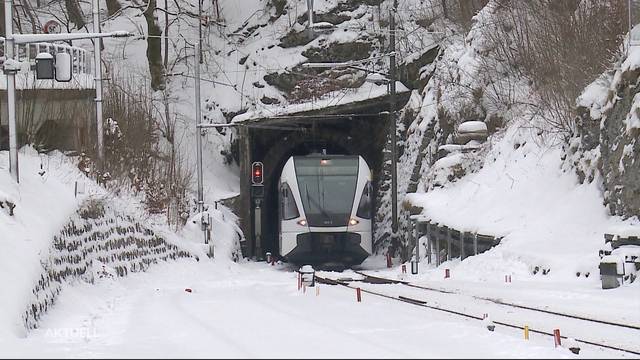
(45, 199)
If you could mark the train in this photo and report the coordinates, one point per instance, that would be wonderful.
(325, 210)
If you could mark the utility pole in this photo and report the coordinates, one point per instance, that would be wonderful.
(198, 129)
(10, 72)
(98, 81)
(392, 114)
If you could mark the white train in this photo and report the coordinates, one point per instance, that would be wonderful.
(325, 209)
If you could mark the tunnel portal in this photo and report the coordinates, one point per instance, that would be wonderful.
(349, 130)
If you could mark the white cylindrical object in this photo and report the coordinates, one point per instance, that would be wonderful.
(63, 67)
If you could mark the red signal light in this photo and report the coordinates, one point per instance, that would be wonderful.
(257, 172)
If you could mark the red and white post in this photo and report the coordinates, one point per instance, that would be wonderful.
(556, 337)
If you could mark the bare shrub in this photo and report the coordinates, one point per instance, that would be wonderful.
(557, 46)
(140, 145)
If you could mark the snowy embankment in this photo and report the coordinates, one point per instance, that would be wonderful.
(44, 201)
(56, 236)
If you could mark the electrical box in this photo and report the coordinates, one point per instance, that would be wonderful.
(45, 69)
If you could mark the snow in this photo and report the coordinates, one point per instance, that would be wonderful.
(625, 230)
(632, 120)
(255, 311)
(448, 161)
(594, 96)
(366, 91)
(472, 126)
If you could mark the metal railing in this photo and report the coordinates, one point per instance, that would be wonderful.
(28, 52)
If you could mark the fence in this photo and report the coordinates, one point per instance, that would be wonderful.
(446, 243)
(27, 53)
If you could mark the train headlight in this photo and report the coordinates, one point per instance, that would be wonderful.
(353, 222)
(302, 222)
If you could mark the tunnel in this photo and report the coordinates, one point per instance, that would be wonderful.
(356, 129)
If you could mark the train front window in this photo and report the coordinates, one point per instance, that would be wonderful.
(327, 188)
(364, 208)
(288, 208)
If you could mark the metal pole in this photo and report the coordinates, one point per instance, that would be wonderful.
(199, 31)
(629, 41)
(310, 11)
(258, 228)
(392, 112)
(11, 92)
(416, 236)
(198, 129)
(98, 80)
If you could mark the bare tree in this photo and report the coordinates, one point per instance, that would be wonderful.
(75, 13)
(154, 48)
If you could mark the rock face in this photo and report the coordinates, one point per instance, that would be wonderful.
(620, 151)
(614, 139)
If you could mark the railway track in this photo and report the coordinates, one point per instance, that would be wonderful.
(609, 334)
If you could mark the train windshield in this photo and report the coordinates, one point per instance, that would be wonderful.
(327, 188)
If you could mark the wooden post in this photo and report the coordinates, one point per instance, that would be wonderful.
(463, 235)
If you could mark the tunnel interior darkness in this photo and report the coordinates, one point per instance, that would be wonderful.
(359, 135)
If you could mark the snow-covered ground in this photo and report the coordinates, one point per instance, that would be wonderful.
(255, 310)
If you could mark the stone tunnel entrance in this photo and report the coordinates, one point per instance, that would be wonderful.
(358, 128)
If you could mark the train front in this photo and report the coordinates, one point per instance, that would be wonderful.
(326, 210)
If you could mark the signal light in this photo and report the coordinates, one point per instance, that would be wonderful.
(353, 222)
(257, 173)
